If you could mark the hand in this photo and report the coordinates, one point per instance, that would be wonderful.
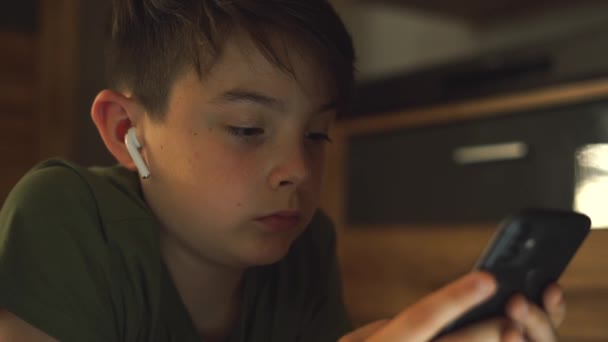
(533, 323)
(524, 322)
(424, 319)
(427, 317)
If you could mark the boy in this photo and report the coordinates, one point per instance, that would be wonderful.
(226, 106)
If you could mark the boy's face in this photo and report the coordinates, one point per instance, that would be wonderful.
(245, 142)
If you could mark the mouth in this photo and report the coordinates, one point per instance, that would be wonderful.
(281, 221)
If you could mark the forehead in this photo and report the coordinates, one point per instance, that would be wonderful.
(243, 64)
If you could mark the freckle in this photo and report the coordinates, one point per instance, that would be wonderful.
(239, 204)
(162, 147)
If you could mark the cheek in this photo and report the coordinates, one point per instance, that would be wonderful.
(222, 166)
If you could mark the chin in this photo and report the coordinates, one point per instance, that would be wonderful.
(265, 260)
(267, 253)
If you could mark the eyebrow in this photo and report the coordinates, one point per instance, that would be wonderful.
(244, 95)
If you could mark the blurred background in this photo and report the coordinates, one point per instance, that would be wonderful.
(465, 112)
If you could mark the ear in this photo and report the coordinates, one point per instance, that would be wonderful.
(114, 113)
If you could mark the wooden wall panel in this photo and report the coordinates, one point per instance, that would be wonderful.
(58, 60)
(18, 120)
(17, 73)
(586, 287)
(38, 91)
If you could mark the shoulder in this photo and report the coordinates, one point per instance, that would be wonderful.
(48, 175)
(51, 209)
(58, 187)
(66, 203)
(50, 188)
(50, 226)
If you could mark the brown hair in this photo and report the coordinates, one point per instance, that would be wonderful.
(153, 41)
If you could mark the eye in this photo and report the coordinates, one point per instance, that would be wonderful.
(245, 131)
(318, 137)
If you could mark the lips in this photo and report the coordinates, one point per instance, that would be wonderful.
(281, 221)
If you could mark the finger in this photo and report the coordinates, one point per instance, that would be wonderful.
(424, 320)
(535, 322)
(555, 305)
(364, 332)
(487, 331)
(512, 334)
(538, 325)
(517, 308)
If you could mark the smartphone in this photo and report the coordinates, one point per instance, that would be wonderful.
(530, 250)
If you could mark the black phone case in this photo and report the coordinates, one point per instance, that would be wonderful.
(529, 252)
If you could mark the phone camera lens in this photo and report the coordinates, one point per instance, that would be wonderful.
(530, 244)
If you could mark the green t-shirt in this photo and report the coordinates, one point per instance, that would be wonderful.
(80, 260)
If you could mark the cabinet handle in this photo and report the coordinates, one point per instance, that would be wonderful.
(490, 153)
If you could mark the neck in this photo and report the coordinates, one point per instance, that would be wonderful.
(210, 291)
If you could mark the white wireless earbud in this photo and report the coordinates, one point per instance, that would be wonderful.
(133, 147)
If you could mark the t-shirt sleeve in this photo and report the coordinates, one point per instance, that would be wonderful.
(52, 248)
(329, 319)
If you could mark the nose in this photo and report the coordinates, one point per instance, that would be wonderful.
(291, 169)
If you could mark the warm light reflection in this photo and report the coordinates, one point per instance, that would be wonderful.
(591, 189)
